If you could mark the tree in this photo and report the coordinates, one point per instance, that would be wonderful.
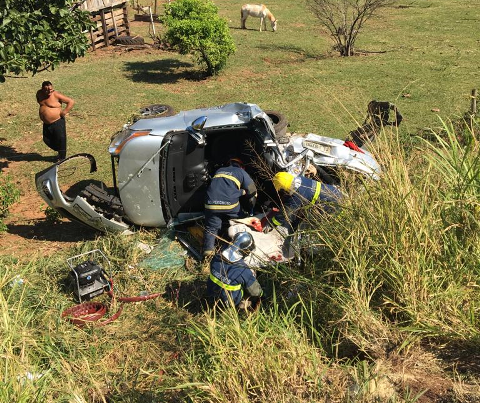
(344, 19)
(194, 26)
(36, 35)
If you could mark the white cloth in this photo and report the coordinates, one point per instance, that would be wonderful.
(268, 247)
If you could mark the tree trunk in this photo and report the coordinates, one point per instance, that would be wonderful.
(346, 50)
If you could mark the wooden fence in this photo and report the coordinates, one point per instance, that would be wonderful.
(111, 18)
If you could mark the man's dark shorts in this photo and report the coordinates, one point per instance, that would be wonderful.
(55, 137)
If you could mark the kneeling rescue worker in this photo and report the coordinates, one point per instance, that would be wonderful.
(222, 201)
(230, 276)
(298, 192)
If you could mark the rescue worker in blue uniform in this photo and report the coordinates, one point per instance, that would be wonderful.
(231, 278)
(297, 193)
(222, 201)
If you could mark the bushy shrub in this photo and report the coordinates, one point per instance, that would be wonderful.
(9, 194)
(52, 216)
(193, 26)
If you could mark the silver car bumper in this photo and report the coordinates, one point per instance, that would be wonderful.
(76, 208)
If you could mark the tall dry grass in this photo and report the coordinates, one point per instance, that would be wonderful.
(257, 358)
(404, 252)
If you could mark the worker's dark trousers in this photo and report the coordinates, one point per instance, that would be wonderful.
(213, 224)
(55, 137)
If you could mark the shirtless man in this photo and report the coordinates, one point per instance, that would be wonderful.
(53, 117)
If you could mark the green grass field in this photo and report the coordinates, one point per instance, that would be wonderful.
(387, 311)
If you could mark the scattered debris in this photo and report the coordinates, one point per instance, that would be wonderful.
(29, 376)
(17, 280)
(166, 254)
(144, 247)
(129, 40)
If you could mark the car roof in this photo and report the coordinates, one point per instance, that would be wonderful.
(225, 115)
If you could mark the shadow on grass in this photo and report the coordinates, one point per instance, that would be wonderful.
(251, 29)
(190, 295)
(164, 71)
(303, 55)
(59, 232)
(133, 396)
(10, 154)
(462, 357)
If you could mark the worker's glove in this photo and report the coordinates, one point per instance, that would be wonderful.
(255, 303)
(249, 305)
(310, 171)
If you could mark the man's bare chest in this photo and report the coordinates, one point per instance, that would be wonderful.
(50, 102)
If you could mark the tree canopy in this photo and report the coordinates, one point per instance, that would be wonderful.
(344, 20)
(39, 34)
(194, 26)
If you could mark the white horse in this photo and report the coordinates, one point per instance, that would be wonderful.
(259, 11)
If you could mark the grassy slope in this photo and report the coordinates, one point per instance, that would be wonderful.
(431, 53)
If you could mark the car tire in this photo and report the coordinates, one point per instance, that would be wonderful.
(157, 111)
(279, 123)
(129, 40)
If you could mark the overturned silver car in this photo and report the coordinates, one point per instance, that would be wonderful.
(161, 166)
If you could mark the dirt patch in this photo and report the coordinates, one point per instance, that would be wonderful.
(422, 376)
(123, 49)
(41, 238)
(461, 357)
(138, 29)
(28, 232)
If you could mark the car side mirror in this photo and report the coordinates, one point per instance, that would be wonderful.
(199, 123)
(195, 130)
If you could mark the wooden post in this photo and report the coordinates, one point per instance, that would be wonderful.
(125, 19)
(104, 25)
(114, 23)
(155, 8)
(91, 38)
(151, 21)
(473, 102)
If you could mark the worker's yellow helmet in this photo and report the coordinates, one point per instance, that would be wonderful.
(283, 181)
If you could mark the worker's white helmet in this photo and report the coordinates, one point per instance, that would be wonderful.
(241, 246)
